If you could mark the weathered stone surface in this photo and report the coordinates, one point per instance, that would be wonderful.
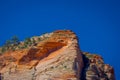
(53, 56)
(95, 69)
(56, 58)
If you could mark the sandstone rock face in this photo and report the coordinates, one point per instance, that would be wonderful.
(95, 69)
(56, 58)
(53, 56)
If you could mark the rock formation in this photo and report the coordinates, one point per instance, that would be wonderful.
(53, 56)
(95, 69)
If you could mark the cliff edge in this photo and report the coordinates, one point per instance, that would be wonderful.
(52, 56)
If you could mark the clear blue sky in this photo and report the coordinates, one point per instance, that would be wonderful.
(96, 22)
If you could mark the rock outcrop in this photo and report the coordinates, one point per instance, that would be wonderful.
(56, 56)
(95, 69)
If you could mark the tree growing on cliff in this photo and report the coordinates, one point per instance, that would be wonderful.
(10, 44)
(7, 44)
(15, 40)
(27, 42)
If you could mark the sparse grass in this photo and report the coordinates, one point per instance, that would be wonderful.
(89, 56)
(15, 44)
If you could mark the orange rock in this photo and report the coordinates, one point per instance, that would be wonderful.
(55, 57)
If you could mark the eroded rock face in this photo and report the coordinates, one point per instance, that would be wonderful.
(54, 56)
(95, 69)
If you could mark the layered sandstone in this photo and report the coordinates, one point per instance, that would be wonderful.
(56, 56)
(95, 68)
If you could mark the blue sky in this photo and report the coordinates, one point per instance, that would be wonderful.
(96, 22)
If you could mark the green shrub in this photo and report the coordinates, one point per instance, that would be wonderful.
(3, 49)
(15, 40)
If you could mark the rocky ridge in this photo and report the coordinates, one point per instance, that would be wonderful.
(53, 56)
(96, 69)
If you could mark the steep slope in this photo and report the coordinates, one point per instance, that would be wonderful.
(53, 56)
(96, 69)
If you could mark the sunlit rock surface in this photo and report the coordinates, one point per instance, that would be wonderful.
(53, 56)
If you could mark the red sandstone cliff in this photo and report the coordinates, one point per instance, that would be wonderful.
(56, 57)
